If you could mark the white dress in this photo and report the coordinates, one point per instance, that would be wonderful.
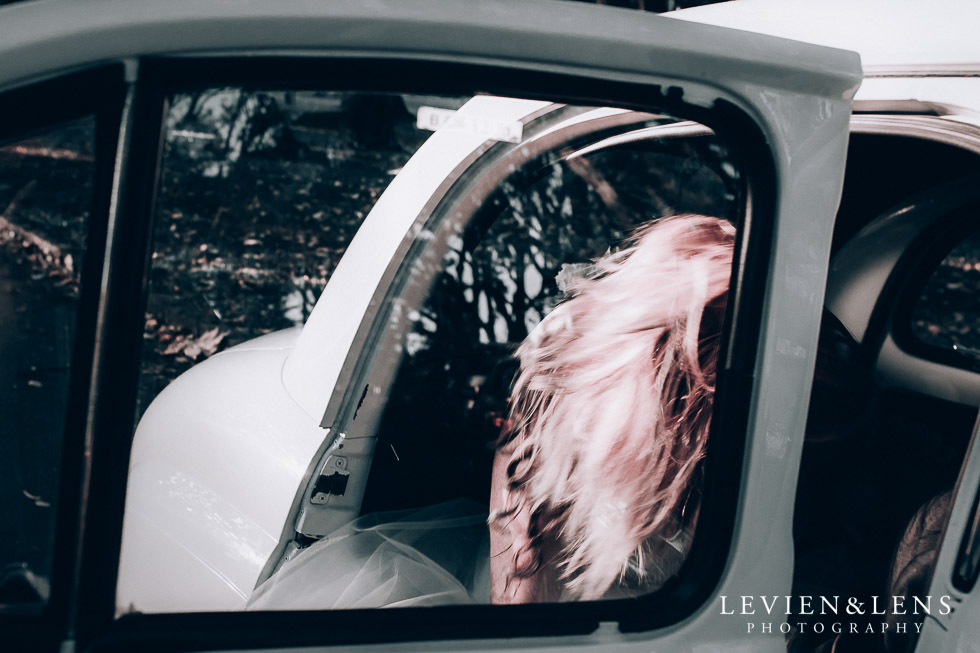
(437, 555)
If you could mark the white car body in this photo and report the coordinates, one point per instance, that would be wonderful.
(220, 457)
(211, 528)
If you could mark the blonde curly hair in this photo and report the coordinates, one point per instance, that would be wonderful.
(609, 417)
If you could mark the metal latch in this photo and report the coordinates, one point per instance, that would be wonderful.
(332, 479)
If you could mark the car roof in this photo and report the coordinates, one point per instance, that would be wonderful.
(892, 36)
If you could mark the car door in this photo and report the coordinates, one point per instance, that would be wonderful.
(928, 324)
(952, 580)
(781, 107)
(903, 381)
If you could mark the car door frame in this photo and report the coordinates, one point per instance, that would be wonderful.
(797, 96)
(98, 92)
(952, 582)
(159, 78)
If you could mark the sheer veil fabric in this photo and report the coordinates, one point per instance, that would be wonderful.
(438, 555)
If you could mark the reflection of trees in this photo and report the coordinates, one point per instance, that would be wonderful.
(43, 225)
(566, 216)
(947, 314)
(230, 123)
(46, 184)
(260, 194)
(498, 281)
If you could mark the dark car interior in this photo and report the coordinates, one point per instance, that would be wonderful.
(875, 458)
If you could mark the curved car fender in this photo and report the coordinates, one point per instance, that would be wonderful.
(216, 460)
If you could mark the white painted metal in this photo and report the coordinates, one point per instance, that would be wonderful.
(208, 424)
(904, 38)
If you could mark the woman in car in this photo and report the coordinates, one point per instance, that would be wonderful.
(595, 483)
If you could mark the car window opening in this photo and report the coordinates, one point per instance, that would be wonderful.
(600, 238)
(880, 461)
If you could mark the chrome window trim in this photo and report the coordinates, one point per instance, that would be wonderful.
(937, 128)
(923, 70)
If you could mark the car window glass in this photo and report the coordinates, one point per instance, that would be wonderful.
(550, 226)
(45, 194)
(545, 228)
(947, 314)
(445, 232)
(260, 194)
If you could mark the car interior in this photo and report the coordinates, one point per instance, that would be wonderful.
(876, 457)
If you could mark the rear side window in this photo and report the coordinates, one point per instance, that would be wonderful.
(45, 195)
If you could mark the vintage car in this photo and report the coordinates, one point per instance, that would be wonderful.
(374, 204)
